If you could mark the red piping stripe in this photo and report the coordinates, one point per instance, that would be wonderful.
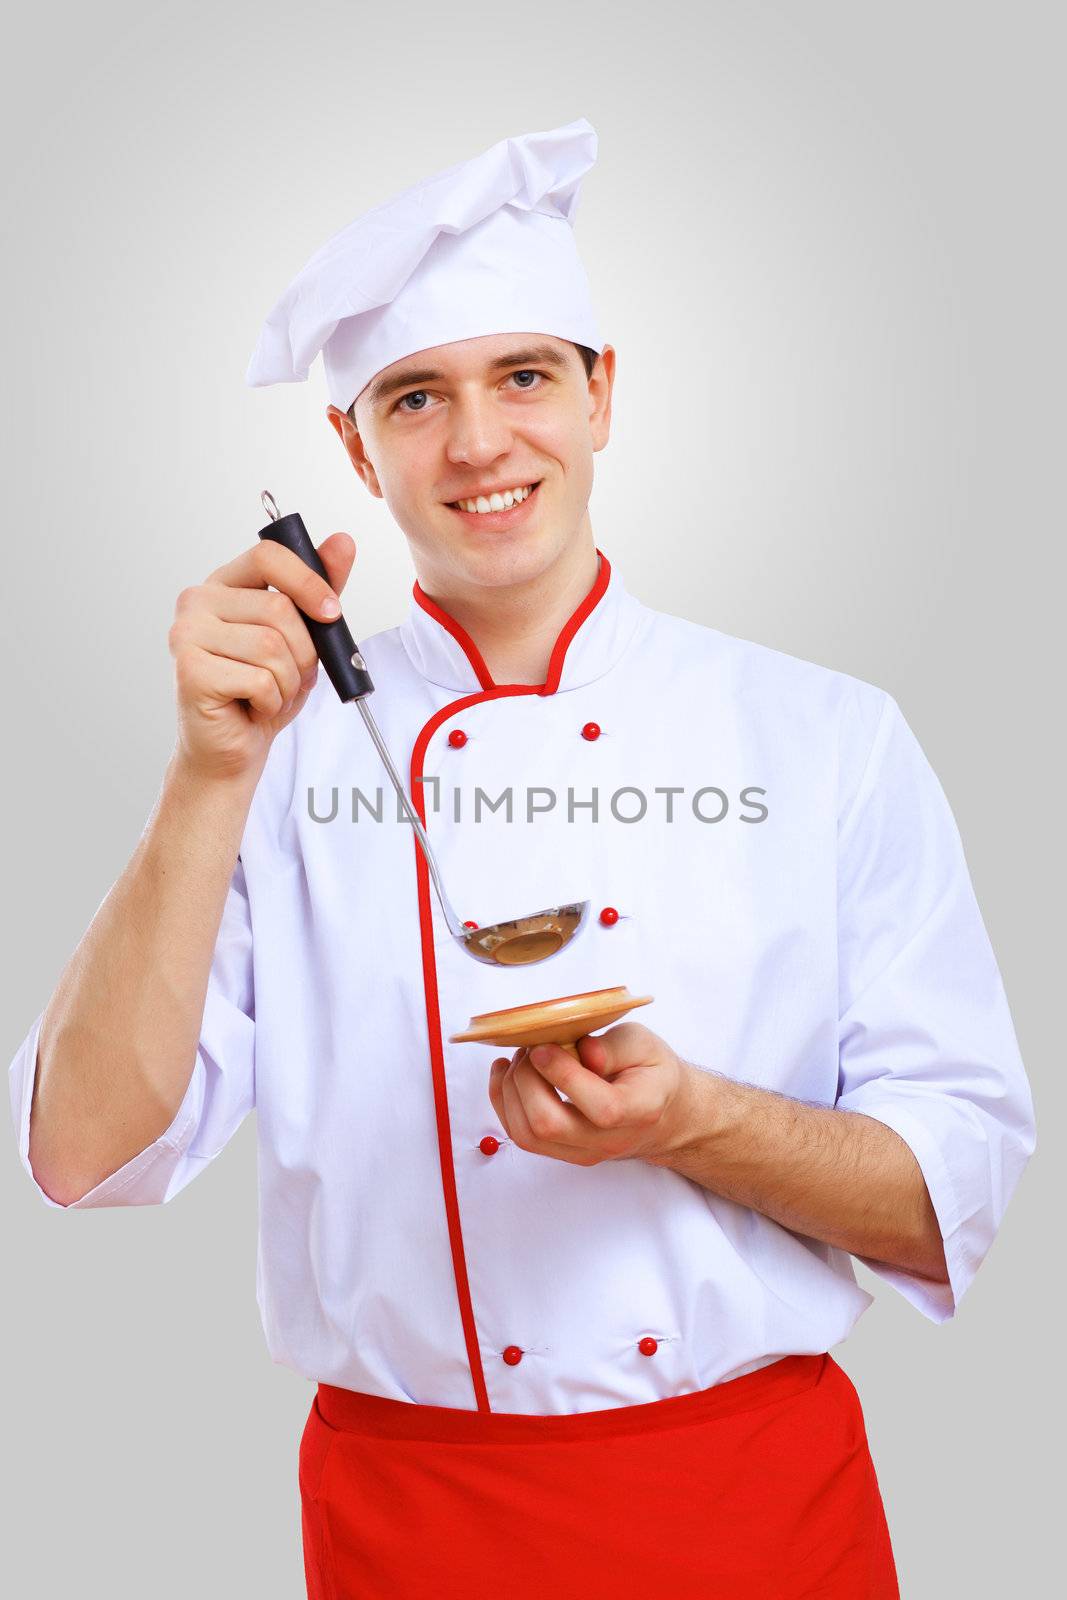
(460, 634)
(489, 691)
(573, 623)
(437, 1057)
(559, 649)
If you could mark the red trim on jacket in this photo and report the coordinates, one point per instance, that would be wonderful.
(489, 691)
(572, 624)
(559, 649)
(459, 633)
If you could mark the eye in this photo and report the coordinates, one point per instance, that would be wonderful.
(417, 400)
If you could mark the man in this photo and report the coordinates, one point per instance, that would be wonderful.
(569, 1322)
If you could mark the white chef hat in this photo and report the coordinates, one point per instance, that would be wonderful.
(486, 246)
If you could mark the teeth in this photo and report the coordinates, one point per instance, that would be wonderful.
(497, 502)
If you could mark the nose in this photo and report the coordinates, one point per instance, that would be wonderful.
(478, 431)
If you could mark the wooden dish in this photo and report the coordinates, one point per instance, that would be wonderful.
(562, 1021)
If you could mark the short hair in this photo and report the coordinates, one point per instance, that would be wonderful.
(589, 358)
(589, 361)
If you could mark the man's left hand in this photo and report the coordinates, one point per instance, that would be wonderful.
(629, 1096)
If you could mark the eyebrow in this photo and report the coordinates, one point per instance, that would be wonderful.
(534, 355)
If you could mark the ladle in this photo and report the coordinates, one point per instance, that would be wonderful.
(519, 941)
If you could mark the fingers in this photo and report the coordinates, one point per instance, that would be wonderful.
(610, 1103)
(547, 1117)
(271, 564)
(209, 681)
(597, 1101)
(263, 607)
(244, 658)
(255, 626)
(256, 646)
(515, 1118)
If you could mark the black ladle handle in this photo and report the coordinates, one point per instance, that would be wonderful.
(336, 648)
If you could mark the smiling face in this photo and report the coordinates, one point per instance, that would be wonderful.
(484, 417)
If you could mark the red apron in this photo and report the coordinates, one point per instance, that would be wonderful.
(759, 1488)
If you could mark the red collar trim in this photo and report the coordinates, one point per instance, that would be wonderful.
(559, 649)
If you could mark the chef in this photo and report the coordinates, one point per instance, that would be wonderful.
(569, 1320)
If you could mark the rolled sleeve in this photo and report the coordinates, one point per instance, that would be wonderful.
(221, 1090)
(926, 1040)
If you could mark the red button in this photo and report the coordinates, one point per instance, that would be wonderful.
(489, 1146)
(591, 730)
(512, 1355)
(648, 1347)
(609, 916)
(457, 738)
(470, 924)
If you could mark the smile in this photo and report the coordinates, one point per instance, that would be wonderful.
(501, 504)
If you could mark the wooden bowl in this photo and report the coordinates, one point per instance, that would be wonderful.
(562, 1021)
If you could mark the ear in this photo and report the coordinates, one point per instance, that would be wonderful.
(601, 384)
(352, 440)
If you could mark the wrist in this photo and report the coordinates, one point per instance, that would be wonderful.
(189, 782)
(196, 805)
(702, 1113)
(682, 1119)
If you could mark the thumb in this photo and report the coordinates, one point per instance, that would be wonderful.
(595, 1053)
(337, 554)
(627, 1044)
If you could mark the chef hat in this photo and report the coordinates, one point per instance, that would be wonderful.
(486, 246)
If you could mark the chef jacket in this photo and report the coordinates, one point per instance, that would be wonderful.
(768, 854)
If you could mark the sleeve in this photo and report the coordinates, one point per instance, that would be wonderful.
(926, 1041)
(221, 1089)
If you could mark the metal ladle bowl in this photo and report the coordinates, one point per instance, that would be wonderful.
(527, 939)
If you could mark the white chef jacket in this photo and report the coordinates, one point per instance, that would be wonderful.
(805, 922)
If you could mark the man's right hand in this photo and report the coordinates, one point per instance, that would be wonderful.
(243, 658)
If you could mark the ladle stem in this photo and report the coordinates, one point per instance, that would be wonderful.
(454, 925)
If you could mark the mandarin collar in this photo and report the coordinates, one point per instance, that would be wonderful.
(589, 643)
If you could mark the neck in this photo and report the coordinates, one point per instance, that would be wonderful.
(515, 625)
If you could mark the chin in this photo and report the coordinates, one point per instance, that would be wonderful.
(510, 560)
(490, 559)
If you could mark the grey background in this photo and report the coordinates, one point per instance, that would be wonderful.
(826, 241)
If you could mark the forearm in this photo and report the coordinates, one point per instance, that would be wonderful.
(837, 1176)
(119, 1035)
